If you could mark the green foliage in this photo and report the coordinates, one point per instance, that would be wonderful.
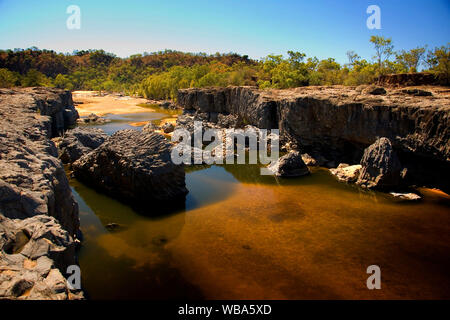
(165, 85)
(280, 73)
(34, 78)
(160, 74)
(63, 82)
(410, 60)
(383, 50)
(8, 78)
(438, 61)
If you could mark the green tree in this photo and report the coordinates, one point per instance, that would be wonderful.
(438, 61)
(8, 78)
(383, 50)
(34, 78)
(63, 82)
(411, 59)
(352, 58)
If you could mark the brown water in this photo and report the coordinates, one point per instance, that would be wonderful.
(246, 236)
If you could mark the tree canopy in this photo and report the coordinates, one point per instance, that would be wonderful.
(160, 74)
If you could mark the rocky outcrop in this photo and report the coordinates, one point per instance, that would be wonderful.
(289, 165)
(93, 119)
(78, 142)
(406, 196)
(34, 250)
(340, 122)
(52, 102)
(411, 79)
(347, 173)
(134, 166)
(38, 215)
(150, 127)
(380, 166)
(165, 104)
(168, 127)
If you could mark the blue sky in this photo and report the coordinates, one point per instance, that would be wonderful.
(321, 28)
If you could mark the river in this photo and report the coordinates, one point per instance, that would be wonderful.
(247, 236)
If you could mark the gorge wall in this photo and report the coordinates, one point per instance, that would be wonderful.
(38, 214)
(340, 122)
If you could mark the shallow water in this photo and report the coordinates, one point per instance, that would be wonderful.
(246, 236)
(134, 120)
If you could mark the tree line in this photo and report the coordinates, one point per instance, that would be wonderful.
(160, 74)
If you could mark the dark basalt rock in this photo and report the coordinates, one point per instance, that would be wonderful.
(338, 122)
(168, 127)
(289, 165)
(417, 92)
(38, 214)
(135, 167)
(80, 141)
(380, 166)
(93, 119)
(375, 90)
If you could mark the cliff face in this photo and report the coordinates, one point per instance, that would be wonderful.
(339, 122)
(38, 215)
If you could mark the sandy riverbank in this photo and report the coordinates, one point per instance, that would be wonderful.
(91, 102)
(88, 102)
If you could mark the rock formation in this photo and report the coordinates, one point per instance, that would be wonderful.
(150, 127)
(93, 119)
(406, 196)
(339, 122)
(289, 165)
(38, 215)
(411, 79)
(134, 166)
(78, 142)
(347, 173)
(380, 166)
(168, 127)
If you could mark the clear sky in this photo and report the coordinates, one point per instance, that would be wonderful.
(321, 28)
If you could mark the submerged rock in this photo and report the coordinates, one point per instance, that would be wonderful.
(380, 166)
(134, 166)
(409, 196)
(114, 227)
(289, 165)
(347, 173)
(80, 141)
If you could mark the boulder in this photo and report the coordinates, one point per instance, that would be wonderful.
(380, 166)
(308, 160)
(168, 127)
(374, 90)
(78, 142)
(289, 165)
(93, 119)
(134, 166)
(346, 173)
